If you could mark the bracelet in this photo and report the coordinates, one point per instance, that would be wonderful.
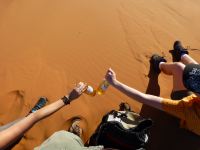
(66, 100)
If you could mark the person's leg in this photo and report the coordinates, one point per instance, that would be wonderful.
(186, 59)
(176, 70)
(179, 53)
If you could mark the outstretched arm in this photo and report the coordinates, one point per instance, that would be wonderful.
(147, 99)
(8, 136)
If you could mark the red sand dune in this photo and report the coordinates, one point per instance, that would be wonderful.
(47, 46)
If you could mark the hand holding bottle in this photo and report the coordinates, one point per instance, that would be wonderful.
(77, 91)
(102, 87)
(111, 77)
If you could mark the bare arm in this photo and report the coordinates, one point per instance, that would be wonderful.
(10, 124)
(9, 135)
(147, 99)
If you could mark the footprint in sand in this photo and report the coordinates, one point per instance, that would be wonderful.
(12, 105)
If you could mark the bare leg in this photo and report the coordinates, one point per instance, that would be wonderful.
(181, 54)
(186, 59)
(176, 70)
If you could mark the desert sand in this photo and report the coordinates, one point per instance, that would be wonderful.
(49, 45)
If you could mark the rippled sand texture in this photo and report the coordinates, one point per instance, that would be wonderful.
(49, 45)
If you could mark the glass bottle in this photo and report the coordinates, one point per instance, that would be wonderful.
(90, 91)
(102, 87)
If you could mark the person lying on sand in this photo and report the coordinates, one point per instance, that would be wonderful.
(9, 135)
(186, 76)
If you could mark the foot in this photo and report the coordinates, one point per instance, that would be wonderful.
(41, 103)
(178, 51)
(155, 61)
(75, 128)
(124, 107)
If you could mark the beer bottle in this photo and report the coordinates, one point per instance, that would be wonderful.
(102, 87)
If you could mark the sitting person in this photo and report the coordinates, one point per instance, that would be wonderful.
(11, 134)
(186, 76)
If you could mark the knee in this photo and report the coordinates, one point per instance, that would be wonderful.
(179, 66)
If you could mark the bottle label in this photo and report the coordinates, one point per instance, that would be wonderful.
(104, 86)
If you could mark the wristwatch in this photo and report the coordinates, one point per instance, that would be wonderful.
(66, 100)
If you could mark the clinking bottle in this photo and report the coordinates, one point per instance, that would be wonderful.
(102, 87)
(90, 91)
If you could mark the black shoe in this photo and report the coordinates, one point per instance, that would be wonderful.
(41, 103)
(155, 61)
(178, 51)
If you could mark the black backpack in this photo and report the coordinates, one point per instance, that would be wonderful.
(125, 130)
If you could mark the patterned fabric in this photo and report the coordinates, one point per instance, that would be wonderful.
(191, 77)
(187, 109)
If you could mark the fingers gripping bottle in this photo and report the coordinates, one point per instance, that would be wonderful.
(102, 87)
(90, 91)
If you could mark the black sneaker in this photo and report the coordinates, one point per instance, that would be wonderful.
(41, 103)
(155, 61)
(178, 51)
